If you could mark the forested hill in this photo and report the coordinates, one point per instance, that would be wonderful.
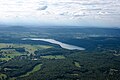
(97, 31)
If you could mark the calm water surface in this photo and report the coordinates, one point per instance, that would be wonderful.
(53, 41)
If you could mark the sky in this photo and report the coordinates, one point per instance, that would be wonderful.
(98, 13)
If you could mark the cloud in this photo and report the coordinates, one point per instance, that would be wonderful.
(98, 11)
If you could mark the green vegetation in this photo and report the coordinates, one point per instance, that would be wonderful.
(5, 59)
(18, 66)
(36, 68)
(75, 74)
(3, 76)
(9, 51)
(33, 48)
(8, 54)
(12, 55)
(38, 60)
(3, 45)
(27, 47)
(77, 64)
(53, 57)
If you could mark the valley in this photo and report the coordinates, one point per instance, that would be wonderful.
(87, 56)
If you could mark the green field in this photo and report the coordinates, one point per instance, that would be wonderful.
(3, 76)
(33, 48)
(11, 53)
(77, 64)
(53, 57)
(28, 47)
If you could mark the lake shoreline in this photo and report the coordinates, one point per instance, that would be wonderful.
(61, 44)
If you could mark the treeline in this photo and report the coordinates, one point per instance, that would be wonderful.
(54, 51)
(92, 43)
(20, 41)
(55, 70)
(15, 67)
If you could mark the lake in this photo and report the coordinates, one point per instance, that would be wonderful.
(53, 41)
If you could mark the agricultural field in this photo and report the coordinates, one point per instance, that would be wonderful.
(9, 51)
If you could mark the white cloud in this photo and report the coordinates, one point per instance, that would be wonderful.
(97, 11)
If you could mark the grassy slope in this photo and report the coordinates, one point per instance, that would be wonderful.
(36, 68)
